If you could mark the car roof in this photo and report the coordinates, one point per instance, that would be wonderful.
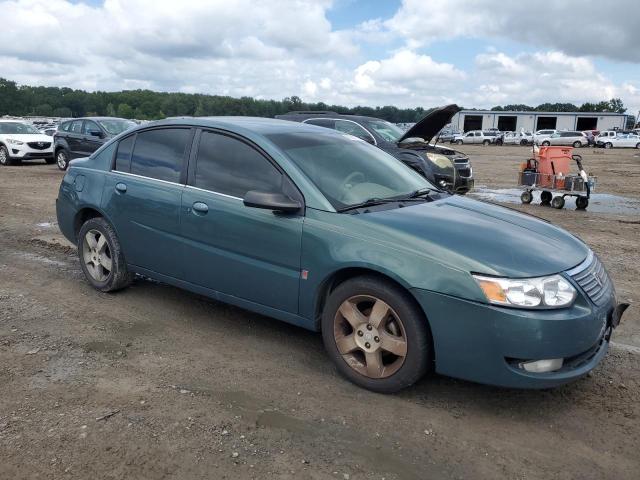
(305, 115)
(258, 125)
(95, 118)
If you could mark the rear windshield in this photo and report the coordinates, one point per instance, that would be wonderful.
(116, 126)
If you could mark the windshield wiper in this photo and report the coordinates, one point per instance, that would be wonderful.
(371, 202)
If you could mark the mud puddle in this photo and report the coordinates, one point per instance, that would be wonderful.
(598, 203)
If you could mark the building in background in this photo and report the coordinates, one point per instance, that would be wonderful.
(466, 120)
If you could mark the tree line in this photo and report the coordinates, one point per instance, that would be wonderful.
(24, 100)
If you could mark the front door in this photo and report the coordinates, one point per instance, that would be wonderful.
(246, 252)
(143, 196)
(92, 137)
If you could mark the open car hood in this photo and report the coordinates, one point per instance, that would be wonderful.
(429, 126)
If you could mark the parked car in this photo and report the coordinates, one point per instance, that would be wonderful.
(568, 138)
(517, 138)
(21, 141)
(540, 135)
(330, 233)
(475, 137)
(81, 137)
(443, 166)
(606, 134)
(624, 140)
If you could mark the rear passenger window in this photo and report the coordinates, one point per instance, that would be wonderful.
(160, 153)
(76, 126)
(123, 155)
(227, 165)
(322, 122)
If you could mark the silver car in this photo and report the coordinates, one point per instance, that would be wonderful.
(517, 138)
(569, 138)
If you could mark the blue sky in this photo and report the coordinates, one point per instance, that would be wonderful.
(400, 52)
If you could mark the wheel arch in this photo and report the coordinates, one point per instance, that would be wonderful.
(338, 277)
(84, 214)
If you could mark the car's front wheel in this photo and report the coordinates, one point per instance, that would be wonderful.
(101, 256)
(546, 144)
(608, 145)
(62, 159)
(376, 334)
(5, 160)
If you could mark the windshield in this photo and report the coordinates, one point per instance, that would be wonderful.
(388, 131)
(348, 170)
(116, 127)
(17, 128)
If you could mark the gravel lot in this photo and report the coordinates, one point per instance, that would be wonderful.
(154, 382)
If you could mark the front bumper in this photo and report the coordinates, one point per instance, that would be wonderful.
(25, 152)
(485, 343)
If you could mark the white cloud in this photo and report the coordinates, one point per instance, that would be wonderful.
(576, 27)
(278, 48)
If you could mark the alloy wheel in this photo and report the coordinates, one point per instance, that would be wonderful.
(97, 256)
(370, 336)
(61, 159)
(3, 156)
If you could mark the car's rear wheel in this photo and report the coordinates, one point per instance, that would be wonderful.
(101, 256)
(577, 144)
(459, 142)
(62, 159)
(486, 142)
(608, 145)
(376, 335)
(546, 144)
(637, 145)
(523, 142)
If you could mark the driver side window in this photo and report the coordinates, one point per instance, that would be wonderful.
(229, 166)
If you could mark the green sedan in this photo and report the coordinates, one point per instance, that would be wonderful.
(324, 231)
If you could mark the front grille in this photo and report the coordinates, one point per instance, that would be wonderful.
(464, 172)
(39, 145)
(593, 279)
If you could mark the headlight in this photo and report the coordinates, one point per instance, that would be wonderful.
(11, 141)
(440, 160)
(542, 292)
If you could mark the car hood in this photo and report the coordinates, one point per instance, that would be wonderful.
(429, 126)
(480, 237)
(29, 137)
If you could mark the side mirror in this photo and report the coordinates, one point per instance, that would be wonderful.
(278, 202)
(96, 133)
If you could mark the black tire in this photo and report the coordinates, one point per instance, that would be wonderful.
(50, 161)
(526, 197)
(523, 142)
(62, 159)
(459, 142)
(119, 276)
(414, 324)
(582, 203)
(557, 202)
(546, 144)
(638, 145)
(5, 159)
(608, 145)
(545, 197)
(486, 142)
(577, 144)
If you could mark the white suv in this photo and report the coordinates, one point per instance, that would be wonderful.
(22, 141)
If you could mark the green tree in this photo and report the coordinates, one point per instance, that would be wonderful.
(125, 111)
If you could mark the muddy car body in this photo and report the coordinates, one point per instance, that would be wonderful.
(327, 232)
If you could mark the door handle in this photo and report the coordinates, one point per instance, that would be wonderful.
(121, 187)
(200, 208)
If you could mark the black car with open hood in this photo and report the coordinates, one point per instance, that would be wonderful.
(445, 167)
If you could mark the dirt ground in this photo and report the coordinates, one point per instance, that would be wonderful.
(154, 382)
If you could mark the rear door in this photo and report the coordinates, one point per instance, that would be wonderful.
(249, 253)
(142, 197)
(74, 139)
